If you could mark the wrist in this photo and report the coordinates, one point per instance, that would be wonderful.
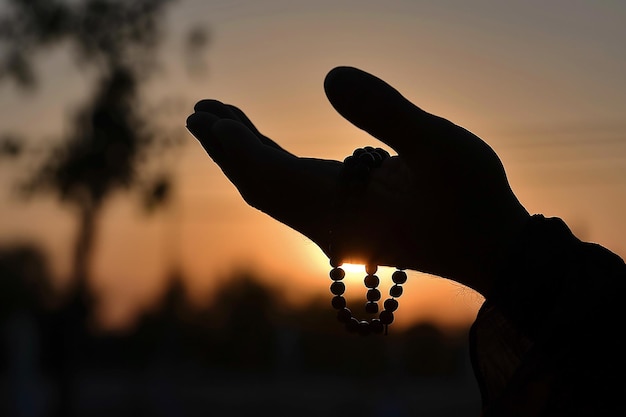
(533, 271)
(493, 236)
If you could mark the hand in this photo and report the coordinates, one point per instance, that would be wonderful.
(443, 205)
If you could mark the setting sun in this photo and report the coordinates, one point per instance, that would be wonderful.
(354, 268)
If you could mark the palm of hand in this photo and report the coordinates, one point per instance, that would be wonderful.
(442, 206)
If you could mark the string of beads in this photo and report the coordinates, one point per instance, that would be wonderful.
(355, 176)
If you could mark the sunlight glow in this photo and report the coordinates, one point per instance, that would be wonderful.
(354, 268)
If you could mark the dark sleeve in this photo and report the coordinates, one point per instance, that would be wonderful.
(548, 341)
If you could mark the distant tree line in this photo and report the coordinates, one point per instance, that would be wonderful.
(245, 327)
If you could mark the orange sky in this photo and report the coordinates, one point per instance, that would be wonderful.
(543, 84)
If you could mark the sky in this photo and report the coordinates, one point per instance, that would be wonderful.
(542, 82)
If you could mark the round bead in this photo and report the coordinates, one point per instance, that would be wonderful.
(386, 317)
(373, 294)
(395, 291)
(391, 305)
(367, 158)
(399, 277)
(349, 160)
(364, 328)
(382, 153)
(376, 326)
(371, 269)
(338, 288)
(337, 274)
(335, 262)
(369, 149)
(358, 151)
(338, 302)
(352, 325)
(378, 158)
(371, 307)
(371, 281)
(344, 315)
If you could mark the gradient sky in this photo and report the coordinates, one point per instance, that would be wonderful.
(542, 82)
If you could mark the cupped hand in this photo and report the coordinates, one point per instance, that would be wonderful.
(442, 205)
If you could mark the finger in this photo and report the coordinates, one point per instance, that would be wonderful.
(227, 111)
(248, 123)
(374, 106)
(223, 146)
(226, 147)
(254, 158)
(264, 175)
(216, 107)
(293, 190)
(200, 124)
(258, 171)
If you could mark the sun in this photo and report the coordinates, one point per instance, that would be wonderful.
(354, 273)
(353, 268)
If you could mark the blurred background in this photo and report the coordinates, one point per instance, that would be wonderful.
(135, 281)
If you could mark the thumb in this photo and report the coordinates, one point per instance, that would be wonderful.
(374, 106)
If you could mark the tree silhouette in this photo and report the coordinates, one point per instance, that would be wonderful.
(110, 137)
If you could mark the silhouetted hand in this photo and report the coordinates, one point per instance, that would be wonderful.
(443, 205)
